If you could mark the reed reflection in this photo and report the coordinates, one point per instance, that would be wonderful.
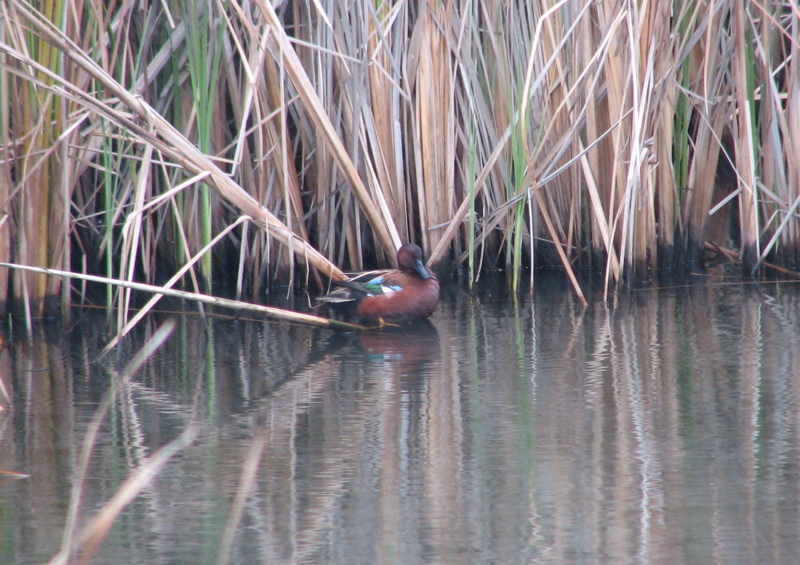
(420, 455)
(660, 426)
(364, 444)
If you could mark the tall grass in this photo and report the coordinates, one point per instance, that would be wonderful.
(617, 137)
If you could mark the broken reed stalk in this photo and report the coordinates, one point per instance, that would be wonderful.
(268, 311)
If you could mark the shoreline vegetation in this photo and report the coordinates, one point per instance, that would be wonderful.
(259, 143)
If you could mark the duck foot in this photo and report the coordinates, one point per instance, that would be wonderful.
(384, 324)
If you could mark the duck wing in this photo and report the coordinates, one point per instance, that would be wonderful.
(370, 283)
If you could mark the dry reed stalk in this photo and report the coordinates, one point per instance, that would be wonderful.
(434, 127)
(382, 225)
(382, 145)
(268, 311)
(629, 198)
(132, 232)
(744, 136)
(780, 133)
(642, 172)
(5, 195)
(544, 73)
(705, 60)
(337, 70)
(266, 94)
(454, 224)
(789, 120)
(576, 108)
(599, 161)
(484, 68)
(702, 173)
(34, 121)
(665, 68)
(6, 164)
(611, 108)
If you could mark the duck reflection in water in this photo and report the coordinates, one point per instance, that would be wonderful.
(413, 348)
(411, 351)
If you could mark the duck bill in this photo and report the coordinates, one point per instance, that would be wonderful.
(421, 270)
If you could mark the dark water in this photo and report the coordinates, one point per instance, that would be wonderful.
(661, 427)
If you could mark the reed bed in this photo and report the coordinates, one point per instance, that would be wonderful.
(617, 137)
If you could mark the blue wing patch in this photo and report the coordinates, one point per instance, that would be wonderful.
(376, 287)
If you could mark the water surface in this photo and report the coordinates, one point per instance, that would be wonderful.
(662, 426)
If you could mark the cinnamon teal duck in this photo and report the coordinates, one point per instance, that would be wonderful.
(391, 296)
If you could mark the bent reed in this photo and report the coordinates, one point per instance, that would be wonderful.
(622, 138)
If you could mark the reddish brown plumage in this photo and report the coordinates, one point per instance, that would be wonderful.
(395, 296)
